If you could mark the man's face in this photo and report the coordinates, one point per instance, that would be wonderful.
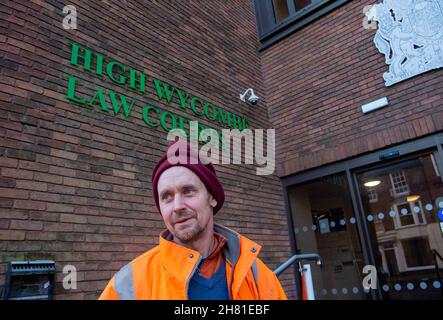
(185, 204)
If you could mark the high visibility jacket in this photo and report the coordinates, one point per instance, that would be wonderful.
(163, 273)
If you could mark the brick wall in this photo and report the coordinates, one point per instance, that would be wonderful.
(75, 182)
(318, 78)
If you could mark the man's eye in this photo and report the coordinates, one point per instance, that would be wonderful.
(167, 197)
(189, 191)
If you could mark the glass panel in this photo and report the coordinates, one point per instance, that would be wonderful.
(404, 226)
(36, 286)
(411, 247)
(300, 4)
(325, 224)
(391, 261)
(281, 9)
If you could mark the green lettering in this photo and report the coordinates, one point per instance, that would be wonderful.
(163, 121)
(193, 100)
(165, 91)
(214, 112)
(184, 99)
(237, 121)
(146, 111)
(110, 71)
(87, 59)
(117, 107)
(71, 91)
(101, 98)
(245, 123)
(224, 118)
(133, 80)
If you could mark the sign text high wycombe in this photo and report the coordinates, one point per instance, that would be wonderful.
(136, 80)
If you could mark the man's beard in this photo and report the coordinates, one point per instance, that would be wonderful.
(189, 233)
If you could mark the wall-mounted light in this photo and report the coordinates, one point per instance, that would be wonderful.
(412, 198)
(377, 104)
(372, 183)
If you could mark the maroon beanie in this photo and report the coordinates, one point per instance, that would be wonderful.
(190, 160)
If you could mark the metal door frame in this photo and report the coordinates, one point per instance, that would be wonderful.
(350, 167)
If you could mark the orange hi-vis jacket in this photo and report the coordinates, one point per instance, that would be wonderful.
(163, 273)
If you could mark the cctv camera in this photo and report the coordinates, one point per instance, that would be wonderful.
(253, 99)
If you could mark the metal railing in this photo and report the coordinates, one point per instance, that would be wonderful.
(296, 258)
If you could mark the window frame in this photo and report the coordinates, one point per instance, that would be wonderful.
(269, 30)
(397, 221)
(395, 184)
(406, 268)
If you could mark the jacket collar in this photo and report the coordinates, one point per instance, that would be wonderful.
(180, 261)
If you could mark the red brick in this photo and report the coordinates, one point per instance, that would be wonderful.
(32, 185)
(4, 224)
(66, 138)
(122, 189)
(58, 227)
(7, 182)
(14, 91)
(61, 189)
(73, 218)
(14, 214)
(76, 182)
(34, 166)
(40, 236)
(12, 235)
(26, 225)
(50, 178)
(21, 45)
(63, 154)
(14, 193)
(123, 174)
(45, 196)
(59, 207)
(102, 154)
(29, 204)
(29, 86)
(8, 162)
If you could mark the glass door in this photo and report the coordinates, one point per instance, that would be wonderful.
(325, 223)
(401, 204)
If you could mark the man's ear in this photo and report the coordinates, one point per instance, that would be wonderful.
(212, 201)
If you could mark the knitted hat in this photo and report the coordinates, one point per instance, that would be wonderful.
(181, 154)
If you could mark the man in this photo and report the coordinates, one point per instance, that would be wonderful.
(195, 259)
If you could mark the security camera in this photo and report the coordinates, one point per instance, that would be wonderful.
(253, 99)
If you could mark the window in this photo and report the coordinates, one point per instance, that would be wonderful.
(409, 213)
(300, 4)
(417, 252)
(281, 9)
(399, 184)
(372, 195)
(285, 8)
(276, 18)
(405, 214)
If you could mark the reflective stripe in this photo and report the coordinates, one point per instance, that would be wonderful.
(124, 283)
(255, 271)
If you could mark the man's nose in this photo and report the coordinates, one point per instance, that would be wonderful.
(178, 203)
